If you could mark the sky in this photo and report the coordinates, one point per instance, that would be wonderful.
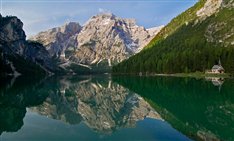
(40, 15)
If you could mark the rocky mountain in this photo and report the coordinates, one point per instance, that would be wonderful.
(102, 105)
(103, 40)
(57, 40)
(193, 41)
(18, 56)
(94, 47)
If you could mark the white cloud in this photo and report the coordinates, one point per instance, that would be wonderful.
(101, 10)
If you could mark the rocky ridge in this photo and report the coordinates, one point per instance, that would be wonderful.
(103, 39)
(18, 56)
(210, 7)
(57, 40)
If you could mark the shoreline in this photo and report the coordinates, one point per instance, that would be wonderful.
(197, 75)
(194, 75)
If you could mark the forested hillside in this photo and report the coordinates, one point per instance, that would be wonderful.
(193, 41)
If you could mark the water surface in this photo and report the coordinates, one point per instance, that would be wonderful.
(116, 108)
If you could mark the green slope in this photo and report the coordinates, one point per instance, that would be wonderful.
(183, 46)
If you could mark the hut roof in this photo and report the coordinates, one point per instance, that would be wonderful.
(217, 67)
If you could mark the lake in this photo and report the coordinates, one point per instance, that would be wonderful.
(128, 108)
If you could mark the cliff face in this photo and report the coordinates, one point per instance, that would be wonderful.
(18, 56)
(210, 7)
(12, 34)
(57, 40)
(103, 40)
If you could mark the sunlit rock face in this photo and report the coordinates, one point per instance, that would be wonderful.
(210, 7)
(102, 106)
(58, 39)
(104, 38)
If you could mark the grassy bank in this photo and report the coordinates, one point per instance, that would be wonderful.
(197, 75)
(194, 74)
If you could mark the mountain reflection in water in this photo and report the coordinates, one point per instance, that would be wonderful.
(116, 108)
(102, 105)
(15, 97)
(78, 108)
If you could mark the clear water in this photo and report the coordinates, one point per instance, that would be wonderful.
(116, 108)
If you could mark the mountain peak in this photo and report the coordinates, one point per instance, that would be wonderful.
(104, 39)
(101, 17)
(105, 15)
(12, 27)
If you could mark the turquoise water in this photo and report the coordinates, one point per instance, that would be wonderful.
(37, 127)
(116, 108)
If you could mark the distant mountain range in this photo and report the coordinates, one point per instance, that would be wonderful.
(104, 40)
(193, 41)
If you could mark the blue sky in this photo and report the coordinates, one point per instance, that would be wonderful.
(40, 15)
